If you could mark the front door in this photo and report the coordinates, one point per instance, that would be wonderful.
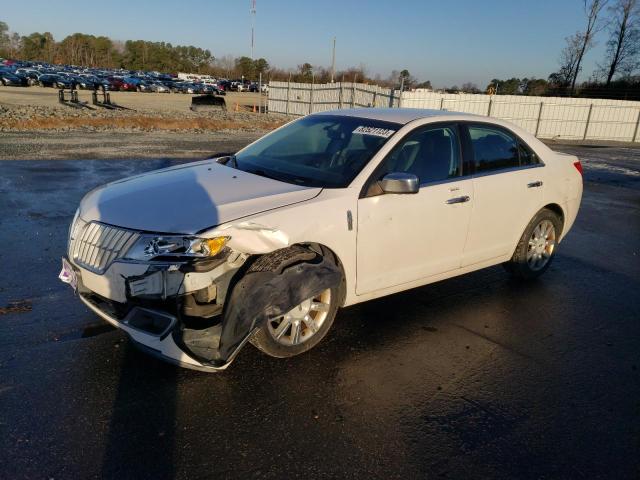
(407, 237)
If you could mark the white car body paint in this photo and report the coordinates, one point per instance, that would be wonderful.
(251, 238)
(385, 244)
(188, 198)
(325, 217)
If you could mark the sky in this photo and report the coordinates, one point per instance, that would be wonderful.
(447, 42)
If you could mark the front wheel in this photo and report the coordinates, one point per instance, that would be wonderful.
(537, 246)
(300, 329)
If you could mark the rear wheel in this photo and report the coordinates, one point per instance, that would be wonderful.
(537, 246)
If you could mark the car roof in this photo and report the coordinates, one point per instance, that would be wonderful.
(395, 115)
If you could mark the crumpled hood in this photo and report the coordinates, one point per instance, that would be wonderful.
(188, 198)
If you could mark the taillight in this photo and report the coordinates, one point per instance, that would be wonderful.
(578, 166)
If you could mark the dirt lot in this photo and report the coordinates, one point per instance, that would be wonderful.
(165, 102)
(77, 145)
(35, 108)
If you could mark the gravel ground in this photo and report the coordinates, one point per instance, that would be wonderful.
(77, 145)
(37, 109)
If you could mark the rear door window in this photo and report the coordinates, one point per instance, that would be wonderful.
(527, 156)
(493, 149)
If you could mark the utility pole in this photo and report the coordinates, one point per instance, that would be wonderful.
(253, 25)
(333, 60)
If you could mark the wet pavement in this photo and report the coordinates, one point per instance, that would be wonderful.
(475, 377)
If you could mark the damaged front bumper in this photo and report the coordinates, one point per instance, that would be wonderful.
(169, 310)
(194, 312)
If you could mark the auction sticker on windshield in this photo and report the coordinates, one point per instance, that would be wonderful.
(376, 132)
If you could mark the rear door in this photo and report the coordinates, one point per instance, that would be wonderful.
(508, 191)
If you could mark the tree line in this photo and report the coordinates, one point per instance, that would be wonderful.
(102, 52)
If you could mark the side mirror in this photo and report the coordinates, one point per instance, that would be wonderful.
(400, 182)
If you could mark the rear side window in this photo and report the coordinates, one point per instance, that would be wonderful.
(527, 156)
(493, 149)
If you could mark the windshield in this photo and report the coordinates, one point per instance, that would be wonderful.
(317, 151)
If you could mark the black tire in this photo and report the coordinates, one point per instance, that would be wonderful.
(262, 338)
(519, 266)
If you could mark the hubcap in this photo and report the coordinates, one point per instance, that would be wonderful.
(541, 245)
(301, 322)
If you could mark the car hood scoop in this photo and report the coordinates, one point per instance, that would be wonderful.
(188, 198)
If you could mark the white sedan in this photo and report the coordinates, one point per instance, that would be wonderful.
(330, 210)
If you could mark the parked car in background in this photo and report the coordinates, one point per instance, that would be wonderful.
(256, 87)
(47, 80)
(264, 246)
(115, 83)
(30, 75)
(89, 82)
(55, 81)
(159, 88)
(9, 79)
(144, 86)
(239, 86)
(128, 85)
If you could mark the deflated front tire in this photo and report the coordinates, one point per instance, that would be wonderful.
(292, 296)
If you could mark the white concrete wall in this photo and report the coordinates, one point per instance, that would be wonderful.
(545, 117)
(303, 98)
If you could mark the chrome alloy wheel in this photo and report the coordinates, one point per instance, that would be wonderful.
(541, 245)
(301, 322)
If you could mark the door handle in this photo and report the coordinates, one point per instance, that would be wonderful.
(534, 184)
(463, 199)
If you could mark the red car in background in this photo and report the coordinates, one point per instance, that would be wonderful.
(115, 83)
(128, 87)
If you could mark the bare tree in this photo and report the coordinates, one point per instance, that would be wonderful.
(623, 46)
(569, 65)
(579, 43)
(15, 42)
(470, 87)
(226, 65)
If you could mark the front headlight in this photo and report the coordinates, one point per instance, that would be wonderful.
(149, 247)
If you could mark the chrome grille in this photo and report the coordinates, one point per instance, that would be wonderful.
(95, 246)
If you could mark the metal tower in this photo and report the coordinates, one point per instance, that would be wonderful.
(253, 25)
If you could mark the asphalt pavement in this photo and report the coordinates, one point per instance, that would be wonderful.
(474, 377)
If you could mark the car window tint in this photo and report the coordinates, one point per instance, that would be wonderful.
(527, 156)
(493, 149)
(431, 154)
